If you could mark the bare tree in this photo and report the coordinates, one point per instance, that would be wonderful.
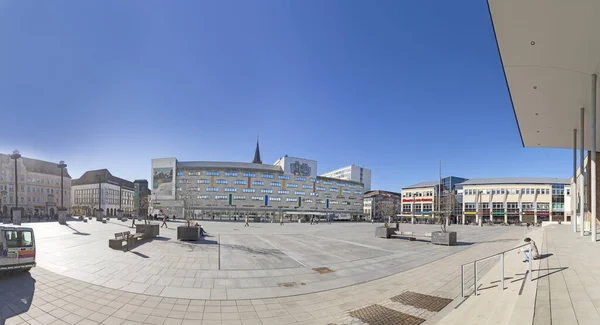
(447, 202)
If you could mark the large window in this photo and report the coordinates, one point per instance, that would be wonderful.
(261, 183)
(275, 184)
(266, 176)
(212, 173)
(203, 181)
(417, 208)
(249, 175)
(300, 193)
(231, 174)
(239, 197)
(426, 207)
(212, 189)
(194, 173)
(283, 192)
(221, 197)
(266, 190)
(239, 182)
(292, 185)
(286, 177)
(406, 208)
(258, 198)
(230, 189)
(221, 181)
(248, 190)
(301, 179)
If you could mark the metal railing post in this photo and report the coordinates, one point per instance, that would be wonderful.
(462, 281)
(502, 266)
(530, 261)
(475, 278)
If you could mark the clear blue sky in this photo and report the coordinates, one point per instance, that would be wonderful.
(391, 85)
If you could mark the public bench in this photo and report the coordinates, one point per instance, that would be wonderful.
(412, 236)
(125, 239)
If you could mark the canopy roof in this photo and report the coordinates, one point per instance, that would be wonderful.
(549, 49)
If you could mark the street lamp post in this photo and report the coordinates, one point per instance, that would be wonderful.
(120, 211)
(99, 214)
(16, 213)
(62, 212)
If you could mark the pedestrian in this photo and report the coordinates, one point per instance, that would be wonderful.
(281, 221)
(132, 222)
(164, 222)
(530, 254)
(329, 219)
(312, 219)
(246, 220)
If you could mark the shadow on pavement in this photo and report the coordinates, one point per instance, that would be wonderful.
(77, 232)
(542, 256)
(554, 270)
(16, 293)
(140, 254)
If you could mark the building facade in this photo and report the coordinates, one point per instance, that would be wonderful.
(382, 204)
(39, 186)
(100, 189)
(352, 173)
(290, 188)
(514, 200)
(420, 201)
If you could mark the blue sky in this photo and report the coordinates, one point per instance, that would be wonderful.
(391, 85)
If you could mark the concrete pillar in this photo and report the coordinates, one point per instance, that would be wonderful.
(463, 218)
(16, 216)
(581, 170)
(62, 216)
(574, 187)
(593, 162)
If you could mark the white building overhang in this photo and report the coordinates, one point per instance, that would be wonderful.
(549, 50)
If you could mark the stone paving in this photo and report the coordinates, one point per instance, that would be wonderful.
(237, 262)
(56, 296)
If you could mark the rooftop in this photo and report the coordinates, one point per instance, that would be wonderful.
(423, 184)
(91, 177)
(40, 166)
(381, 192)
(232, 165)
(516, 180)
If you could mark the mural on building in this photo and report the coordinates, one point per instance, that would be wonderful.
(300, 169)
(162, 179)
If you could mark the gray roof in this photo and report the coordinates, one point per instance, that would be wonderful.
(231, 165)
(516, 180)
(40, 166)
(423, 184)
(90, 177)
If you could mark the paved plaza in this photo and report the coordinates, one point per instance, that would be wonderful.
(263, 274)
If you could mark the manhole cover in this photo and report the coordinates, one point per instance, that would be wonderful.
(379, 315)
(419, 300)
(323, 270)
(288, 284)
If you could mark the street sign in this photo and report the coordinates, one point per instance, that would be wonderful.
(230, 198)
(299, 202)
(266, 200)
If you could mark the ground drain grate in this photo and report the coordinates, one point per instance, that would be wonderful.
(323, 270)
(419, 300)
(379, 315)
(288, 284)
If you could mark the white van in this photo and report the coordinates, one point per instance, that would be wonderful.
(17, 248)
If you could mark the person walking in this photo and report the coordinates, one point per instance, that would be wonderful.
(281, 220)
(164, 222)
(246, 222)
(133, 222)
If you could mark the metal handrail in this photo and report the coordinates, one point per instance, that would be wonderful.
(462, 272)
(485, 258)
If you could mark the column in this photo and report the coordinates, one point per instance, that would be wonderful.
(505, 212)
(463, 208)
(593, 162)
(581, 170)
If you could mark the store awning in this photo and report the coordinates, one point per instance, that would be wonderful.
(548, 49)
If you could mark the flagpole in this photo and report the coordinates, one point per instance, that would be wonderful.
(440, 192)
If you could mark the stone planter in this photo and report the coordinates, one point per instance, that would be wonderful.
(188, 233)
(99, 214)
(150, 230)
(443, 238)
(383, 232)
(62, 216)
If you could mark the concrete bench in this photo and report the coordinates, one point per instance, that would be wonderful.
(411, 236)
(119, 241)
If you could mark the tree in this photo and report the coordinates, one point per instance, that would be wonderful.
(447, 202)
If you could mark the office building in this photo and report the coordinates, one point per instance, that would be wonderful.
(290, 188)
(100, 185)
(381, 204)
(141, 195)
(352, 173)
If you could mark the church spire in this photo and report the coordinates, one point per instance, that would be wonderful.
(256, 159)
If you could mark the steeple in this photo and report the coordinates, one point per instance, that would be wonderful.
(256, 159)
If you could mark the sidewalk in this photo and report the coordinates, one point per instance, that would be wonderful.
(513, 305)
